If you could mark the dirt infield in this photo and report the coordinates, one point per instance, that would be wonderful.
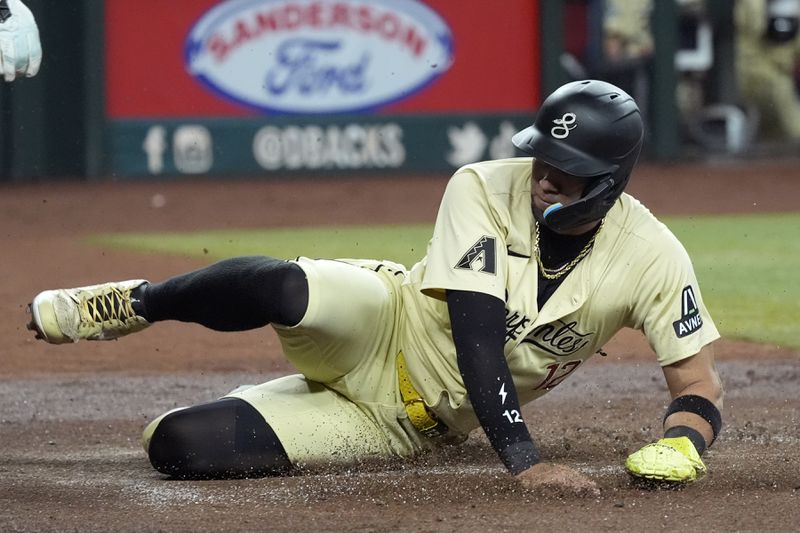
(71, 415)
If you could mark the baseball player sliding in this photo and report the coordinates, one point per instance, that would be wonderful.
(20, 49)
(534, 264)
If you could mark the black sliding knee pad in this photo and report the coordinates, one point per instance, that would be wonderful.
(291, 299)
(226, 438)
(234, 294)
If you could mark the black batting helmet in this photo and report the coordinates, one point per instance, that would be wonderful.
(589, 129)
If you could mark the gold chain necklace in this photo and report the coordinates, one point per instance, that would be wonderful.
(555, 273)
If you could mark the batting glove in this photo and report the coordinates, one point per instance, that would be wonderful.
(20, 49)
(673, 459)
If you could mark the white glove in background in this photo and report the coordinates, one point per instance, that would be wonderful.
(20, 49)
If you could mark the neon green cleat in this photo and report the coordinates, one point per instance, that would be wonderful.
(96, 312)
(673, 459)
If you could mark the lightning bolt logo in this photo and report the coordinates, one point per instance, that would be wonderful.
(502, 394)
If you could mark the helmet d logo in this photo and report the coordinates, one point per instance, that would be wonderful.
(563, 126)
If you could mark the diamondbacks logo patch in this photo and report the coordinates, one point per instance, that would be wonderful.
(690, 320)
(482, 257)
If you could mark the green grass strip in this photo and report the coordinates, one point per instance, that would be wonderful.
(749, 273)
(748, 266)
(404, 244)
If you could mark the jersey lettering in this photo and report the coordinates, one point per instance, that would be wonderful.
(515, 324)
(558, 340)
(690, 320)
(481, 257)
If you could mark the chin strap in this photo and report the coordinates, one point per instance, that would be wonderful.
(561, 217)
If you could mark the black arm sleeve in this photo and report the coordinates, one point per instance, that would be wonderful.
(478, 325)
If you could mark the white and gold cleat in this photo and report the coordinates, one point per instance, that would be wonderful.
(96, 312)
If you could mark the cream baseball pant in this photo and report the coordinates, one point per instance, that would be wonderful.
(344, 406)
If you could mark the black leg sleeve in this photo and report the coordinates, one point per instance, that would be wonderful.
(232, 295)
(226, 438)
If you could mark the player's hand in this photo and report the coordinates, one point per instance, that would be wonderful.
(674, 459)
(20, 49)
(561, 481)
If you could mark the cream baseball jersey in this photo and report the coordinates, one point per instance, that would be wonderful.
(637, 275)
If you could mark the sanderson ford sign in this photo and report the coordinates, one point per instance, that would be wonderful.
(318, 56)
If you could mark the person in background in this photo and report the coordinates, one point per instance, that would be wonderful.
(628, 50)
(768, 47)
(20, 48)
(626, 30)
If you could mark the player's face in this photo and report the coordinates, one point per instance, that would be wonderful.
(551, 186)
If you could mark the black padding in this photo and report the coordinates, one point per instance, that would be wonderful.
(226, 438)
(692, 434)
(235, 294)
(691, 403)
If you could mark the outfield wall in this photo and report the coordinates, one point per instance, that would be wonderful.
(269, 87)
(262, 87)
